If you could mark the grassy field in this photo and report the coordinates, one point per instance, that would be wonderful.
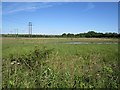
(43, 63)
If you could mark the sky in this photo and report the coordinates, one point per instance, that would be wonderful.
(60, 0)
(59, 17)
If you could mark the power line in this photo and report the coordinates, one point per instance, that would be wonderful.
(16, 32)
(30, 29)
(14, 22)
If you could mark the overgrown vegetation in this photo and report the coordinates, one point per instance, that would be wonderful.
(61, 66)
(20, 70)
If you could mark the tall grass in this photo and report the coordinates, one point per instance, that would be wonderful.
(61, 66)
(26, 65)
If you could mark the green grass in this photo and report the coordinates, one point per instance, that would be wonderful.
(39, 63)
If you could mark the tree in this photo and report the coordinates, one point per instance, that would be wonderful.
(64, 35)
(70, 35)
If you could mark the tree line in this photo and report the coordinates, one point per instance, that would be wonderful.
(92, 34)
(89, 34)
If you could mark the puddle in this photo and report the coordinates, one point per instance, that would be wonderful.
(89, 43)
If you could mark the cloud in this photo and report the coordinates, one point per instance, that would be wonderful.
(22, 9)
(9, 8)
(90, 6)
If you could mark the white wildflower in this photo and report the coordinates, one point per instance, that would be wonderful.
(13, 62)
(18, 63)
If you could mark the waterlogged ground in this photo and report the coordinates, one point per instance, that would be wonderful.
(31, 63)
